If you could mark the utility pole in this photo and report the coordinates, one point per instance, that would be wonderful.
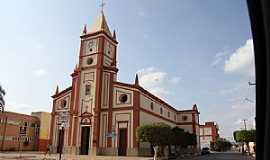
(245, 124)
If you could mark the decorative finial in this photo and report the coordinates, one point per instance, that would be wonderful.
(85, 29)
(102, 5)
(57, 90)
(194, 107)
(136, 80)
(114, 35)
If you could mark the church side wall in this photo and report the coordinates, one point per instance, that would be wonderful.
(146, 102)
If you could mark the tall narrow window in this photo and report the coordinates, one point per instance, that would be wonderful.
(87, 89)
(152, 106)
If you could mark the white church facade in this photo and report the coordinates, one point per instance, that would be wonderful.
(96, 104)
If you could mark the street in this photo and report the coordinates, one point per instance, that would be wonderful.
(39, 156)
(223, 156)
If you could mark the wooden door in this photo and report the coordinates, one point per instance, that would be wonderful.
(85, 140)
(122, 142)
(60, 142)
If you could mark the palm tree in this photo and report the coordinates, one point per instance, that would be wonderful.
(2, 101)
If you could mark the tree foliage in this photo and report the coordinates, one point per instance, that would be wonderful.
(162, 134)
(158, 134)
(221, 144)
(245, 135)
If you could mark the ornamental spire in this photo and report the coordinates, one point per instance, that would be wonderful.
(114, 35)
(57, 90)
(136, 80)
(85, 29)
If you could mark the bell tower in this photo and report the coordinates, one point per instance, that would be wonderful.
(97, 72)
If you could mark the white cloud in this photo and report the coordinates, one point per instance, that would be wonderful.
(156, 81)
(218, 58)
(41, 72)
(242, 60)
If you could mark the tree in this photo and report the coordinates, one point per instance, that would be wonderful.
(245, 136)
(157, 134)
(221, 144)
(189, 139)
(2, 101)
(177, 138)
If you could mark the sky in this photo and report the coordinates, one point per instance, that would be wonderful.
(185, 52)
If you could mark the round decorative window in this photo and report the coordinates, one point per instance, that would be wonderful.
(63, 103)
(184, 118)
(89, 61)
(123, 98)
(152, 106)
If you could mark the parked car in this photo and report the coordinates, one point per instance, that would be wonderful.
(205, 150)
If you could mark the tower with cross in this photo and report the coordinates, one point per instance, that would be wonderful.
(103, 113)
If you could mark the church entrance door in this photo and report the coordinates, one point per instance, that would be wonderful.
(60, 142)
(122, 141)
(85, 134)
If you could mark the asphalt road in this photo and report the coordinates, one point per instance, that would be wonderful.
(223, 156)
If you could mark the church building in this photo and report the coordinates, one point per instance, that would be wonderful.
(97, 115)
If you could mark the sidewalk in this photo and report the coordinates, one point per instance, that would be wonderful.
(41, 156)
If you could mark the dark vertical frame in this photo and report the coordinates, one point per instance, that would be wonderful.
(259, 11)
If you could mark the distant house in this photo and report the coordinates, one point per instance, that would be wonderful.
(18, 132)
(208, 133)
(24, 132)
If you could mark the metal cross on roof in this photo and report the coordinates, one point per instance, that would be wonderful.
(102, 5)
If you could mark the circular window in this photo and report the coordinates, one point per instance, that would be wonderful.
(89, 61)
(184, 118)
(123, 98)
(152, 106)
(63, 103)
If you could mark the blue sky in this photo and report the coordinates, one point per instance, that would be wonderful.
(184, 51)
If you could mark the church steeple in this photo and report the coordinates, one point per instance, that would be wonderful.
(101, 24)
